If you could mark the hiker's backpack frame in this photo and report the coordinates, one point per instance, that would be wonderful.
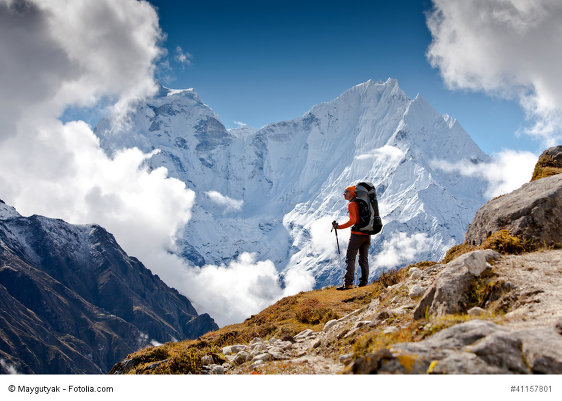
(369, 218)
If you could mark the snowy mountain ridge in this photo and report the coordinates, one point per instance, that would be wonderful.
(274, 191)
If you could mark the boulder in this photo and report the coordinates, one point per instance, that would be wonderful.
(207, 360)
(416, 291)
(532, 212)
(240, 358)
(473, 347)
(257, 364)
(256, 340)
(415, 273)
(476, 311)
(234, 349)
(304, 334)
(217, 370)
(262, 357)
(450, 291)
(329, 324)
(258, 348)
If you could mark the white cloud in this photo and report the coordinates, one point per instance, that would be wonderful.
(183, 57)
(244, 287)
(323, 240)
(390, 153)
(508, 170)
(402, 248)
(225, 201)
(509, 48)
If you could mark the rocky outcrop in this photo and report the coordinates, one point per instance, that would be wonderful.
(532, 213)
(474, 347)
(550, 163)
(451, 290)
(72, 301)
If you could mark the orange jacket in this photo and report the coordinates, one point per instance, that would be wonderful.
(353, 211)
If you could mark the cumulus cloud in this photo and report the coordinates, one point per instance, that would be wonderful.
(509, 48)
(401, 248)
(390, 153)
(323, 240)
(243, 287)
(508, 170)
(225, 201)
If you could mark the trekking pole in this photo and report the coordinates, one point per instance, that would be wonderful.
(337, 241)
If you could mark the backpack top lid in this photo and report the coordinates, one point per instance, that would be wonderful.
(365, 188)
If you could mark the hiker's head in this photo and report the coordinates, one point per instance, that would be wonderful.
(349, 193)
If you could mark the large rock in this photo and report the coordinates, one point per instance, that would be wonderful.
(474, 347)
(449, 293)
(550, 163)
(532, 212)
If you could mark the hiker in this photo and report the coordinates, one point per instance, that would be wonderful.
(362, 226)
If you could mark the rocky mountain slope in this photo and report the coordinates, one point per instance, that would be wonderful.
(274, 191)
(478, 311)
(72, 301)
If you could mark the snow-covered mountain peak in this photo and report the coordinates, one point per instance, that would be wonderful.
(164, 91)
(373, 91)
(7, 211)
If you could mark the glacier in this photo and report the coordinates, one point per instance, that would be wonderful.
(274, 191)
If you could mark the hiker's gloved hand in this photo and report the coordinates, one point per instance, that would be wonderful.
(335, 224)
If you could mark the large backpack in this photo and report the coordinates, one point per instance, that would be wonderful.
(369, 219)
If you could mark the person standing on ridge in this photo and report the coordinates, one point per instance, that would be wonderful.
(358, 242)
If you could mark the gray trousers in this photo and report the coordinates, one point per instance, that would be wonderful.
(357, 243)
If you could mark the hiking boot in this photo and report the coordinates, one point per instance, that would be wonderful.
(362, 283)
(346, 287)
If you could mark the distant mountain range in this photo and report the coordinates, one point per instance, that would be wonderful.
(72, 301)
(275, 190)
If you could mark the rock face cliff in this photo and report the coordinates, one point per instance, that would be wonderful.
(72, 301)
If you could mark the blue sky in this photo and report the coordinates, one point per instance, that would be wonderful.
(259, 62)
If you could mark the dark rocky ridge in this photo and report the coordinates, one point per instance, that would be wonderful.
(72, 301)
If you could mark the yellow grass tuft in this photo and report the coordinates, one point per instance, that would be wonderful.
(546, 167)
